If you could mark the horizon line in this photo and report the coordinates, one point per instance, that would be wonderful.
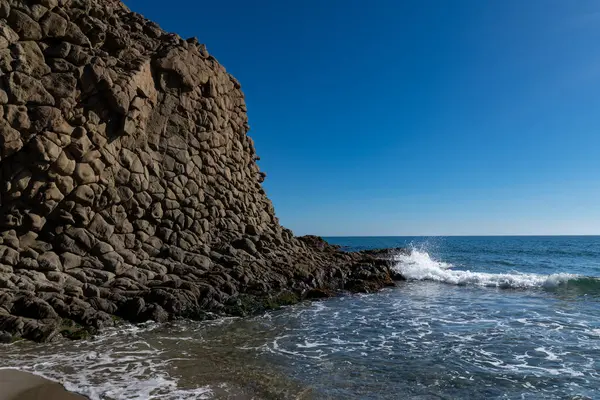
(513, 235)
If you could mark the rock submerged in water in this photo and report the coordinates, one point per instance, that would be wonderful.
(130, 188)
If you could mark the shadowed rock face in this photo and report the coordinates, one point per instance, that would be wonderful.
(129, 185)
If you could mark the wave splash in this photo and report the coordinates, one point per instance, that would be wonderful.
(418, 265)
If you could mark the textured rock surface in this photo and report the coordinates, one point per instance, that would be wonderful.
(129, 184)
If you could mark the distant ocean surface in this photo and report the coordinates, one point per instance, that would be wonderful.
(478, 318)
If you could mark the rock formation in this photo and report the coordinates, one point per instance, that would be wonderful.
(129, 186)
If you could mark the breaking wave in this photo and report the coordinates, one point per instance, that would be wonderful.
(418, 265)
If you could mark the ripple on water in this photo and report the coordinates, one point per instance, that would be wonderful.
(422, 339)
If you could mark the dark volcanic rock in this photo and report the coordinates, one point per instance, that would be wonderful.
(5, 337)
(130, 186)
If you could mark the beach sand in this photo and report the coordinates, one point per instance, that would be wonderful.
(20, 385)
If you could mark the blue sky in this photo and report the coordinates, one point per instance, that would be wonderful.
(421, 117)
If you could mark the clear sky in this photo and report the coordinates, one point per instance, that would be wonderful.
(421, 117)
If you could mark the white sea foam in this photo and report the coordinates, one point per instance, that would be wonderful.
(102, 369)
(418, 265)
(138, 383)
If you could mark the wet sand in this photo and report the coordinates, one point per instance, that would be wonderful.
(20, 385)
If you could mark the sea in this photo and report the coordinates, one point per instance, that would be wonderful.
(477, 318)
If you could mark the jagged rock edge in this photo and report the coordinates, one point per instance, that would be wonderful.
(129, 185)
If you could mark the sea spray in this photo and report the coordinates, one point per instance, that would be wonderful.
(420, 266)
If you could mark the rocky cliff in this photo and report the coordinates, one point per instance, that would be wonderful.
(129, 186)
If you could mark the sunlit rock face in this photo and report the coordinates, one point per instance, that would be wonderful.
(129, 184)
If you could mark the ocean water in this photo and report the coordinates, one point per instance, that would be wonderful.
(478, 317)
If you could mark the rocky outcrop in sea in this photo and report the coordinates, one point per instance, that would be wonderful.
(129, 186)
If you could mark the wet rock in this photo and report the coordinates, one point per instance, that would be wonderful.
(31, 307)
(132, 309)
(5, 337)
(318, 294)
(155, 313)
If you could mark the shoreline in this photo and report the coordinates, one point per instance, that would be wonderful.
(21, 385)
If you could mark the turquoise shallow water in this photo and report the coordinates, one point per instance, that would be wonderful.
(479, 317)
